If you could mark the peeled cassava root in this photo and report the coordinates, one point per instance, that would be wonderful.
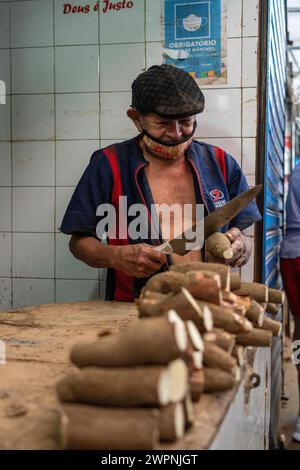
(224, 318)
(210, 380)
(255, 313)
(276, 296)
(256, 337)
(239, 353)
(172, 422)
(221, 338)
(258, 292)
(150, 341)
(271, 325)
(203, 286)
(166, 282)
(123, 386)
(101, 428)
(221, 269)
(235, 281)
(219, 246)
(185, 306)
(216, 357)
(273, 309)
(188, 410)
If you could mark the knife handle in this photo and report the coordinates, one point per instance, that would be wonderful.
(165, 248)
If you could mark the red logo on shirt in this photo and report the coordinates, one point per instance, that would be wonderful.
(216, 195)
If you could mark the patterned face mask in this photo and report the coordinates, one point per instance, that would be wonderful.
(167, 150)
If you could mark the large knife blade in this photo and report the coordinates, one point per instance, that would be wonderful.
(212, 222)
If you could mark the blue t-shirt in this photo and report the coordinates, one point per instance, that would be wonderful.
(119, 170)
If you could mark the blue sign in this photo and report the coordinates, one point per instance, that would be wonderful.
(193, 37)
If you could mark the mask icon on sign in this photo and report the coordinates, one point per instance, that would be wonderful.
(192, 22)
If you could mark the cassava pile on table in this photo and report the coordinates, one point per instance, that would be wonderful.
(131, 389)
(134, 389)
(229, 315)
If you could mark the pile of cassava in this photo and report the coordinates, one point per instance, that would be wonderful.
(135, 388)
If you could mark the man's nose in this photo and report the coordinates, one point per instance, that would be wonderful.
(174, 130)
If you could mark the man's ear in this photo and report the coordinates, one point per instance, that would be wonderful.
(134, 115)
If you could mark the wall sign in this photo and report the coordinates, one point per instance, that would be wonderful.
(195, 39)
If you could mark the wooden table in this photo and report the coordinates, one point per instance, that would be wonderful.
(38, 342)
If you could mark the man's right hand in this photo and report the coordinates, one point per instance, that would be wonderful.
(140, 260)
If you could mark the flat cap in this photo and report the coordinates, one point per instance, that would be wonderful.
(167, 91)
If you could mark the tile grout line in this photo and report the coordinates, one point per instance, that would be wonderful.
(54, 123)
(110, 43)
(242, 92)
(11, 158)
(242, 88)
(145, 36)
(99, 121)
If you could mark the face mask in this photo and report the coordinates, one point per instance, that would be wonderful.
(167, 150)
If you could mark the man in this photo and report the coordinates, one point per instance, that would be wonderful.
(162, 165)
(290, 266)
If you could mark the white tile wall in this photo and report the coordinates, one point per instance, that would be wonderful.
(249, 160)
(5, 164)
(5, 121)
(231, 145)
(114, 121)
(234, 17)
(77, 116)
(32, 292)
(222, 114)
(249, 105)
(75, 28)
(63, 196)
(33, 209)
(5, 255)
(33, 163)
(33, 117)
(114, 59)
(4, 25)
(5, 68)
(32, 23)
(76, 69)
(123, 26)
(33, 70)
(72, 157)
(249, 75)
(68, 267)
(5, 294)
(154, 54)
(250, 18)
(76, 291)
(71, 78)
(153, 20)
(248, 269)
(33, 255)
(5, 210)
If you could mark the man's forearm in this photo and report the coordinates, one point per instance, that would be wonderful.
(93, 252)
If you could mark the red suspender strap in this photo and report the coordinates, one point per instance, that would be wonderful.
(220, 158)
(124, 283)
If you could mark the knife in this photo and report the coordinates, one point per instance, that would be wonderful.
(212, 222)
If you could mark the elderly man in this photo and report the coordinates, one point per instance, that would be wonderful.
(162, 165)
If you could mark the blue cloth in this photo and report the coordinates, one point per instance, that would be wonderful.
(290, 247)
(119, 170)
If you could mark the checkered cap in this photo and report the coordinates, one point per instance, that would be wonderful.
(167, 91)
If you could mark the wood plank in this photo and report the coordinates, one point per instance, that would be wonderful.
(38, 341)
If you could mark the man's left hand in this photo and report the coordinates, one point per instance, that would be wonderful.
(241, 246)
